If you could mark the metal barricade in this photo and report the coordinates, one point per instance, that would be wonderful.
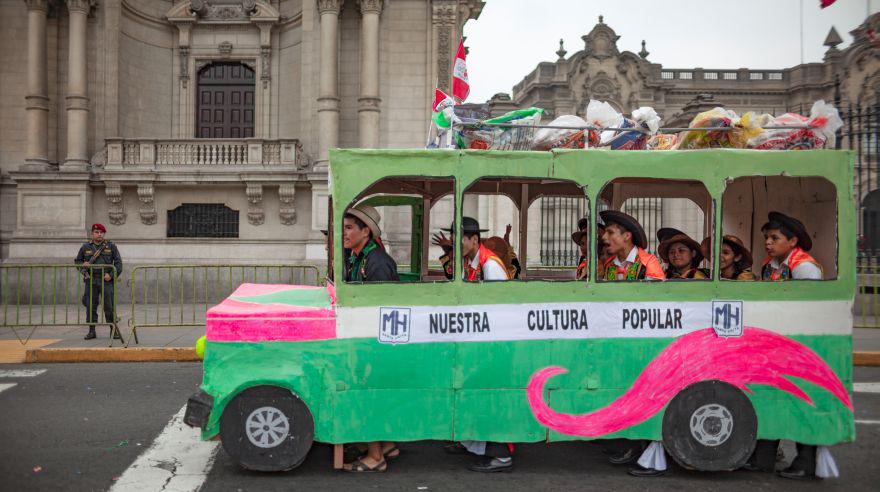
(179, 295)
(867, 304)
(33, 296)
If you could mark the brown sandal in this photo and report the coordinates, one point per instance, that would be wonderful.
(358, 466)
(392, 454)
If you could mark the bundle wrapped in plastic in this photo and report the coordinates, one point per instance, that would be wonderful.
(559, 138)
(823, 122)
(518, 136)
(662, 141)
(644, 122)
(742, 129)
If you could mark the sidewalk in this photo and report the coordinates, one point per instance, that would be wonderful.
(66, 344)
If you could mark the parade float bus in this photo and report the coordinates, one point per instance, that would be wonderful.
(705, 366)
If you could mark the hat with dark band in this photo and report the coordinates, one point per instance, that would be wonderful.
(469, 225)
(583, 229)
(738, 248)
(99, 227)
(663, 249)
(369, 216)
(629, 223)
(665, 233)
(805, 242)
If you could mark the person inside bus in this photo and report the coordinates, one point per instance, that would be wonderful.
(787, 242)
(602, 253)
(581, 237)
(367, 262)
(480, 263)
(735, 260)
(683, 256)
(626, 241)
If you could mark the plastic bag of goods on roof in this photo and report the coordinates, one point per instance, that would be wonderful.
(564, 138)
(516, 134)
(644, 122)
(741, 130)
(662, 141)
(823, 122)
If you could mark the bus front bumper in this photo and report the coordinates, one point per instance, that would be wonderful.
(198, 409)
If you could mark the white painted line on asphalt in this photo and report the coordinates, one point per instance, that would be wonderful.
(6, 386)
(21, 373)
(866, 387)
(868, 422)
(177, 460)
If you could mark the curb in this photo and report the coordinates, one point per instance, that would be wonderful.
(106, 354)
(866, 358)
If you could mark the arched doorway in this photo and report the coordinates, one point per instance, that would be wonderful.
(225, 101)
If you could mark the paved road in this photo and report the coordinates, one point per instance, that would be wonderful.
(103, 426)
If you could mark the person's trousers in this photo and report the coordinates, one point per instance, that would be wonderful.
(764, 456)
(92, 295)
(805, 459)
(499, 450)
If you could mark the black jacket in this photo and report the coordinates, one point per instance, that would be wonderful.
(379, 266)
(109, 256)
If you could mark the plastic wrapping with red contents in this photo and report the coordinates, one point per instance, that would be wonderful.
(261, 313)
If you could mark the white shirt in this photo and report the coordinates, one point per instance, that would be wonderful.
(491, 269)
(804, 271)
(630, 258)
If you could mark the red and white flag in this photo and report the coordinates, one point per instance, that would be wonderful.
(441, 101)
(460, 86)
(826, 3)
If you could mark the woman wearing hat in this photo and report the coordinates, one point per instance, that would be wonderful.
(683, 256)
(626, 242)
(787, 242)
(736, 260)
(367, 262)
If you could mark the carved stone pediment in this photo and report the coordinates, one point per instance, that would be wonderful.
(601, 42)
(223, 12)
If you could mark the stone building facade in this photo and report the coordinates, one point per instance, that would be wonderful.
(157, 117)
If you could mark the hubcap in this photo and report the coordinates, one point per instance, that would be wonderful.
(267, 427)
(711, 425)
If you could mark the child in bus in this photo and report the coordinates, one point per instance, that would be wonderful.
(367, 262)
(735, 260)
(626, 241)
(787, 242)
(683, 255)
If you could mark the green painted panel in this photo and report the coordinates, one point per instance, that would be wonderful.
(318, 298)
(504, 365)
(406, 414)
(370, 364)
(499, 415)
(583, 401)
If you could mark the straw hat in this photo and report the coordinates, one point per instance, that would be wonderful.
(369, 216)
(665, 233)
(738, 248)
(663, 249)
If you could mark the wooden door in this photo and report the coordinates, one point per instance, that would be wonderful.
(225, 101)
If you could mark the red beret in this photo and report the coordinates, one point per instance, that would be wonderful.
(99, 227)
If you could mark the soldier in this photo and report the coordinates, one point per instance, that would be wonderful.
(99, 280)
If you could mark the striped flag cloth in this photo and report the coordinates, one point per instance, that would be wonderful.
(460, 86)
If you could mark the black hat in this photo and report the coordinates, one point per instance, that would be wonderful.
(583, 223)
(665, 233)
(583, 229)
(469, 225)
(629, 223)
(805, 242)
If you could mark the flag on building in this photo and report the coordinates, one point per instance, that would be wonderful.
(460, 86)
(442, 107)
(826, 3)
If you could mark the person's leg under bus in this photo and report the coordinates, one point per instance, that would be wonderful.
(496, 457)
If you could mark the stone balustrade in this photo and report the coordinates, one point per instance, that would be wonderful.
(213, 154)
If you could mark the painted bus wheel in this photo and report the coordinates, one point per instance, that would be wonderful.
(267, 428)
(710, 426)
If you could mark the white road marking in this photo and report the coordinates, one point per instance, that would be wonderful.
(6, 386)
(868, 422)
(21, 373)
(866, 387)
(177, 460)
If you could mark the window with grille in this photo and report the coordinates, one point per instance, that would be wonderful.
(710, 76)
(685, 75)
(774, 75)
(729, 75)
(202, 220)
(667, 75)
(756, 76)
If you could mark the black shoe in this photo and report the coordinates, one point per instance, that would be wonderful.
(491, 465)
(90, 335)
(625, 457)
(455, 448)
(795, 474)
(640, 471)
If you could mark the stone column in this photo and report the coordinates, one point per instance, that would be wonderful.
(368, 102)
(37, 156)
(328, 91)
(77, 88)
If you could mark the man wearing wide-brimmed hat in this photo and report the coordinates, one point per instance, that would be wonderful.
(581, 237)
(480, 263)
(368, 261)
(683, 255)
(787, 241)
(626, 242)
(95, 259)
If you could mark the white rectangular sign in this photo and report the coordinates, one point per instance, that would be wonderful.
(480, 323)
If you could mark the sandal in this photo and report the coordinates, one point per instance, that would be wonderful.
(352, 452)
(358, 466)
(392, 454)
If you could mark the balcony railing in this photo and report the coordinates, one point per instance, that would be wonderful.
(215, 154)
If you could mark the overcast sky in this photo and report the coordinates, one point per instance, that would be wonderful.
(512, 36)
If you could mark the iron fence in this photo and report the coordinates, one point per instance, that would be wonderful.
(866, 309)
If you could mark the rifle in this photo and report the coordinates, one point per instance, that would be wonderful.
(86, 272)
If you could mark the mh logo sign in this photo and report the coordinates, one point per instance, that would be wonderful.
(727, 318)
(394, 324)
